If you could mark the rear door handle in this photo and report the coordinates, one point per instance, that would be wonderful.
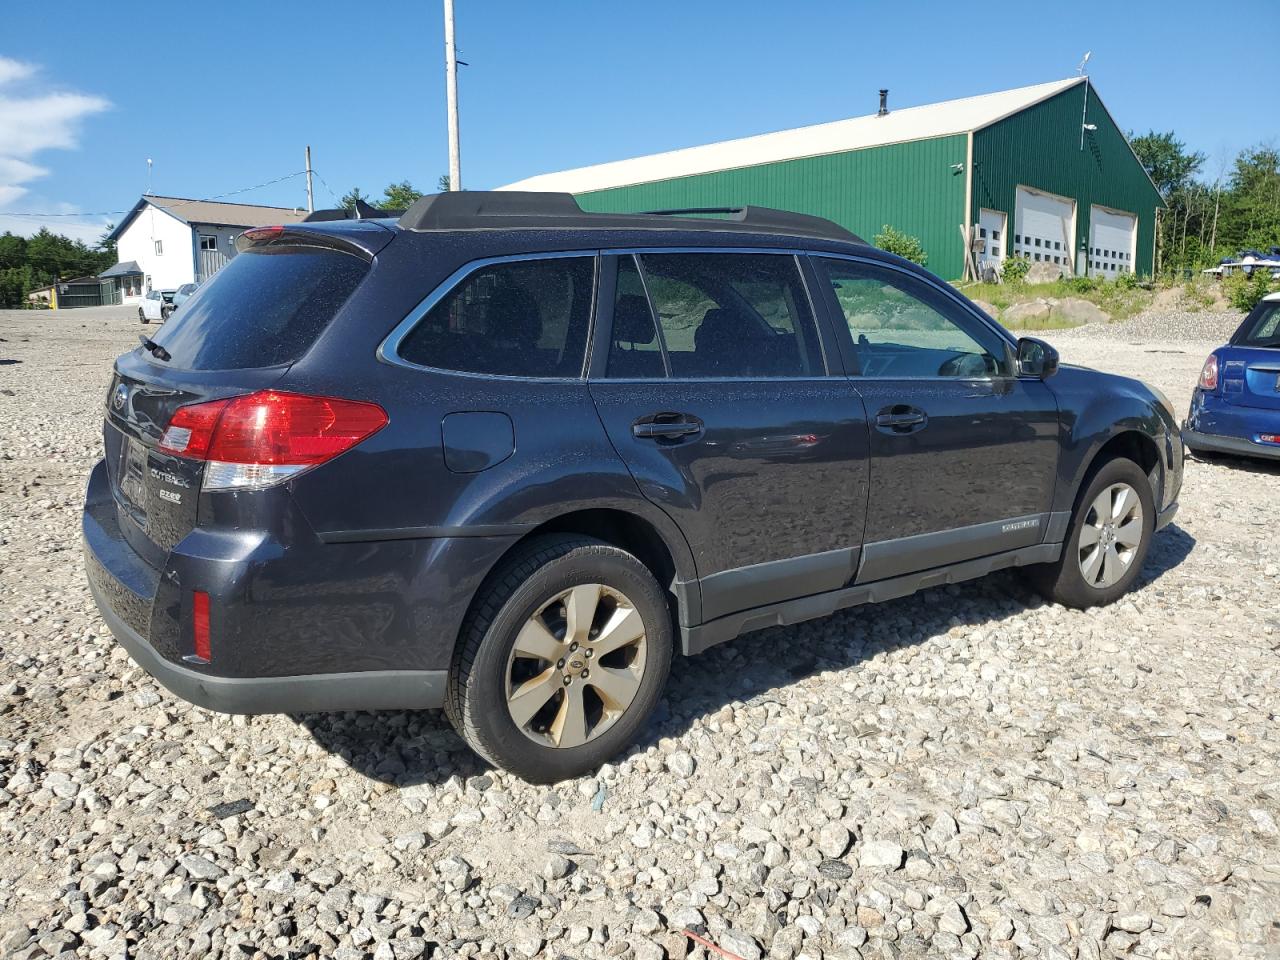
(666, 426)
(901, 419)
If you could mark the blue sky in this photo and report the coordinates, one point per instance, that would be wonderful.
(226, 95)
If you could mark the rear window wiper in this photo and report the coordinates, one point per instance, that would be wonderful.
(153, 348)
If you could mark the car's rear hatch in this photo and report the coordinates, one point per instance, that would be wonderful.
(238, 333)
(1251, 361)
(1251, 377)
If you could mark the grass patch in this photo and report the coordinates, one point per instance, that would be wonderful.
(1117, 300)
(1042, 323)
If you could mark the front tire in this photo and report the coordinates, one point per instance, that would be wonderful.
(142, 317)
(1108, 540)
(562, 658)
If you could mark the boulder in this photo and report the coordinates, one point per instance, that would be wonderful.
(1075, 311)
(1031, 314)
(1042, 271)
(987, 308)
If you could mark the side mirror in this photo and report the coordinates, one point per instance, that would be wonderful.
(1036, 358)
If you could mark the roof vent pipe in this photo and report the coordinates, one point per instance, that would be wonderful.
(884, 104)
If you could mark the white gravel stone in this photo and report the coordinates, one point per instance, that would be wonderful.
(1050, 782)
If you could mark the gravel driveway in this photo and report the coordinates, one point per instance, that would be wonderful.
(968, 772)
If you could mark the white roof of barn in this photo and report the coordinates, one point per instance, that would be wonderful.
(858, 133)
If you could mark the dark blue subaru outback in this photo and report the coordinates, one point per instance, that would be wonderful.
(506, 457)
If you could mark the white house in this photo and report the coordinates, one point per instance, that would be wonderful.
(165, 242)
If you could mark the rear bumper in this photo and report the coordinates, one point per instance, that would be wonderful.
(306, 693)
(1215, 443)
(370, 625)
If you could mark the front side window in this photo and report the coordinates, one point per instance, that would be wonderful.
(902, 328)
(525, 318)
(718, 315)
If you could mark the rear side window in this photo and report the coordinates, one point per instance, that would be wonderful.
(266, 307)
(525, 318)
(718, 315)
(1263, 328)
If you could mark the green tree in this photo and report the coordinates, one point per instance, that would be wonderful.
(442, 183)
(399, 196)
(1167, 160)
(1250, 215)
(106, 245)
(904, 245)
(349, 198)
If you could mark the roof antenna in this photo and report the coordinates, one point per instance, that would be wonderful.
(1084, 107)
(148, 176)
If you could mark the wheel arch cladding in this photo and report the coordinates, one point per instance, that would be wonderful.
(671, 563)
(1129, 444)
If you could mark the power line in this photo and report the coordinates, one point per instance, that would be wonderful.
(336, 199)
(170, 206)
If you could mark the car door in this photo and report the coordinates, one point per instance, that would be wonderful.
(728, 417)
(963, 451)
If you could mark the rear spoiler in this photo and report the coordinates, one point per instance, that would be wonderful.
(362, 211)
(360, 243)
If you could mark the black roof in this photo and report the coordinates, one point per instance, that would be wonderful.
(520, 210)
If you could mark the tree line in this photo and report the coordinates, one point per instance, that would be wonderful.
(1208, 219)
(396, 196)
(29, 263)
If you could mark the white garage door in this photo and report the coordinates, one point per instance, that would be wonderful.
(991, 231)
(1113, 242)
(1043, 225)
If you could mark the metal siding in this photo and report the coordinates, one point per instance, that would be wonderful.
(910, 186)
(1040, 148)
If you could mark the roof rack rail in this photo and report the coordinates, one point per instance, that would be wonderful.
(768, 217)
(362, 211)
(478, 209)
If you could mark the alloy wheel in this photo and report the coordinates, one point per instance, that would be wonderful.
(576, 666)
(1112, 532)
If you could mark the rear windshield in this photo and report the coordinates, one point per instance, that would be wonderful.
(1262, 328)
(264, 308)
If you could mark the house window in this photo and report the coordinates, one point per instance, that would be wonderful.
(159, 248)
(208, 243)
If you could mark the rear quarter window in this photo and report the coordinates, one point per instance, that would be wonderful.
(263, 309)
(521, 318)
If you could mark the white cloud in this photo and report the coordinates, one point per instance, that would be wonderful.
(35, 118)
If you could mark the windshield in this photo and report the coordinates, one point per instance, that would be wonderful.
(264, 308)
(1262, 328)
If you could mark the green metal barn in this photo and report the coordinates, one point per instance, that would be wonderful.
(1042, 172)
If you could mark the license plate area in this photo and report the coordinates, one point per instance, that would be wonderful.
(133, 474)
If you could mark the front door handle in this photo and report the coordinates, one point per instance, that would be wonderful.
(666, 426)
(901, 418)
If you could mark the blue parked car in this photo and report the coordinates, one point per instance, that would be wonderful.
(1236, 405)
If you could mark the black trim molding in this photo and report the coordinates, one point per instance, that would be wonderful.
(697, 639)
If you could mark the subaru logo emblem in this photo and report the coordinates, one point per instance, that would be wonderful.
(119, 397)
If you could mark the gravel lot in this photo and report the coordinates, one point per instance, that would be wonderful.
(969, 772)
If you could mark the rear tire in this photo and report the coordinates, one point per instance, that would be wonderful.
(562, 658)
(1107, 542)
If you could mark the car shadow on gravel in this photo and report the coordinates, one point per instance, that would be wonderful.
(1243, 464)
(412, 747)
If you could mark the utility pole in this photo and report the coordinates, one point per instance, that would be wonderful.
(451, 94)
(310, 200)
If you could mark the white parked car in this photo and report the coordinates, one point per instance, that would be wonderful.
(156, 305)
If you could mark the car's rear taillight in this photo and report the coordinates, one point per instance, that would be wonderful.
(264, 438)
(1209, 373)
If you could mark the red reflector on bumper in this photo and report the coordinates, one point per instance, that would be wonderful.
(200, 625)
(1269, 438)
